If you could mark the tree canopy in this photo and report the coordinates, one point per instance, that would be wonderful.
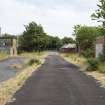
(35, 39)
(67, 40)
(86, 35)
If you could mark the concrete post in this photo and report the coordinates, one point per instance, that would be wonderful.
(13, 49)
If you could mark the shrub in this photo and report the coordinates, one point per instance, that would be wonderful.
(92, 64)
(101, 57)
(32, 61)
(102, 67)
(88, 53)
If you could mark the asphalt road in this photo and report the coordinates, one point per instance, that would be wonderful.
(58, 82)
(6, 71)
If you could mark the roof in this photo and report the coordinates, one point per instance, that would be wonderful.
(69, 46)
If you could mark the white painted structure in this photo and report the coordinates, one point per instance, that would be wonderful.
(99, 49)
(100, 41)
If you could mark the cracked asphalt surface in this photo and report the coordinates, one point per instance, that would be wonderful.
(58, 82)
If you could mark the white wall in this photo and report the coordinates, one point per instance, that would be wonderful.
(99, 49)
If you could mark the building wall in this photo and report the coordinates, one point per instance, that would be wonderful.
(100, 41)
(99, 49)
(68, 50)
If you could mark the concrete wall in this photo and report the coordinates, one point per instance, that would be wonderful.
(99, 49)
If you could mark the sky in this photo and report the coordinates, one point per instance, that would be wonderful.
(57, 17)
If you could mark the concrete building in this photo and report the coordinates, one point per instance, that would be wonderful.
(100, 42)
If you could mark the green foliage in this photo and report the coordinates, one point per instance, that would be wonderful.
(85, 36)
(35, 39)
(32, 36)
(100, 13)
(54, 43)
(92, 64)
(101, 57)
(88, 53)
(101, 67)
(34, 61)
(67, 40)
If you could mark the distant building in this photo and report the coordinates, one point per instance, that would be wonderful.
(100, 42)
(68, 48)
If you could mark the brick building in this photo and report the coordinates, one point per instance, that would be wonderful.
(68, 48)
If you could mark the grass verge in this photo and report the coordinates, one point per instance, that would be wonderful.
(3, 55)
(75, 59)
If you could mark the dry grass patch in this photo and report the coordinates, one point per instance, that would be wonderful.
(75, 59)
(3, 55)
(37, 55)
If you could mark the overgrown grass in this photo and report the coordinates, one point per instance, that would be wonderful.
(3, 55)
(75, 58)
(91, 64)
(32, 55)
(101, 67)
(32, 61)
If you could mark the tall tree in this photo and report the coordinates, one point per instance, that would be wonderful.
(54, 43)
(33, 38)
(85, 36)
(99, 15)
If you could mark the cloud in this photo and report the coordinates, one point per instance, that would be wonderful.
(56, 16)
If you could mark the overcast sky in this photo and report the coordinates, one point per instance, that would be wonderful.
(56, 16)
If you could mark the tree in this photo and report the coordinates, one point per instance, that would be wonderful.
(99, 15)
(33, 38)
(85, 36)
(54, 43)
(67, 40)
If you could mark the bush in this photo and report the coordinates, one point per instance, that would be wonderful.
(101, 57)
(92, 64)
(33, 61)
(88, 53)
(102, 67)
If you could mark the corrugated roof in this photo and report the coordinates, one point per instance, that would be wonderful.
(69, 46)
